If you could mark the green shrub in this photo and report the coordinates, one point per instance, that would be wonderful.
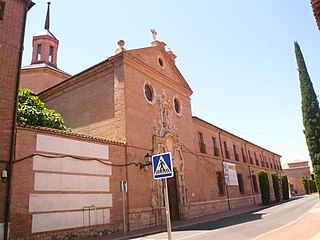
(305, 184)
(312, 186)
(264, 187)
(276, 187)
(285, 187)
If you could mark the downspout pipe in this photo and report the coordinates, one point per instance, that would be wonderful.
(224, 179)
(250, 174)
(29, 5)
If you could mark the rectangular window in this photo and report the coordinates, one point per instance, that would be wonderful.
(262, 162)
(250, 157)
(202, 146)
(240, 182)
(50, 54)
(236, 155)
(255, 157)
(1, 10)
(255, 183)
(266, 161)
(226, 150)
(220, 182)
(244, 157)
(215, 147)
(39, 52)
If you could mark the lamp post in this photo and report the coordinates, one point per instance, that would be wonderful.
(147, 159)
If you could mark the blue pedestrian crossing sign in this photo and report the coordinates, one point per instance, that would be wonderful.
(162, 166)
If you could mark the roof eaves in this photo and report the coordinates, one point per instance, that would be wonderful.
(71, 134)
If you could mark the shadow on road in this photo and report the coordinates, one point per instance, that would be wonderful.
(225, 222)
(234, 220)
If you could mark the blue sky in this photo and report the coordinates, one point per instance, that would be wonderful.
(236, 55)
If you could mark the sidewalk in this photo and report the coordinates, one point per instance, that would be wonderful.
(307, 227)
(176, 225)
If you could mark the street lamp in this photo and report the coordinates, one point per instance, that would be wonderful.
(147, 159)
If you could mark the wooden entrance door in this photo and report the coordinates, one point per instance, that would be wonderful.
(173, 198)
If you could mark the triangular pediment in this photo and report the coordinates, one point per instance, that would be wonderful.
(159, 60)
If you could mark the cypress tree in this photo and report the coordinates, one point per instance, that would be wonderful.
(276, 187)
(285, 187)
(264, 187)
(310, 114)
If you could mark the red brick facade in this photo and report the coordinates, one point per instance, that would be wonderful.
(109, 100)
(40, 76)
(139, 101)
(24, 182)
(12, 22)
(315, 4)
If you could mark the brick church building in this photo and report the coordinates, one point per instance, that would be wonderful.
(133, 104)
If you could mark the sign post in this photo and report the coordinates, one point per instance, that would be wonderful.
(123, 189)
(166, 203)
(162, 169)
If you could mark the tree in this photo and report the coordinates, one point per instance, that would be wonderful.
(285, 187)
(32, 111)
(276, 187)
(264, 187)
(305, 184)
(312, 186)
(310, 114)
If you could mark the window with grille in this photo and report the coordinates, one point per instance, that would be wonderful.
(236, 155)
(244, 158)
(220, 182)
(255, 157)
(215, 147)
(226, 150)
(240, 182)
(255, 184)
(202, 146)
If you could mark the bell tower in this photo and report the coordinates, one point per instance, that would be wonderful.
(43, 72)
(45, 45)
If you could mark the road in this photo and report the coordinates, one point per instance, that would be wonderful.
(244, 226)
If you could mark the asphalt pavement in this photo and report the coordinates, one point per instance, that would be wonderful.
(306, 227)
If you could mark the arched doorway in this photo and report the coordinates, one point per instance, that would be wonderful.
(173, 198)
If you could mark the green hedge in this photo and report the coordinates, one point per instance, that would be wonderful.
(285, 187)
(305, 184)
(276, 187)
(264, 187)
(312, 186)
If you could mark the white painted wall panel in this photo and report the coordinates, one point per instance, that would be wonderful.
(61, 145)
(67, 182)
(63, 202)
(70, 165)
(63, 220)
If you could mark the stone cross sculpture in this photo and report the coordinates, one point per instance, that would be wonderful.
(154, 34)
